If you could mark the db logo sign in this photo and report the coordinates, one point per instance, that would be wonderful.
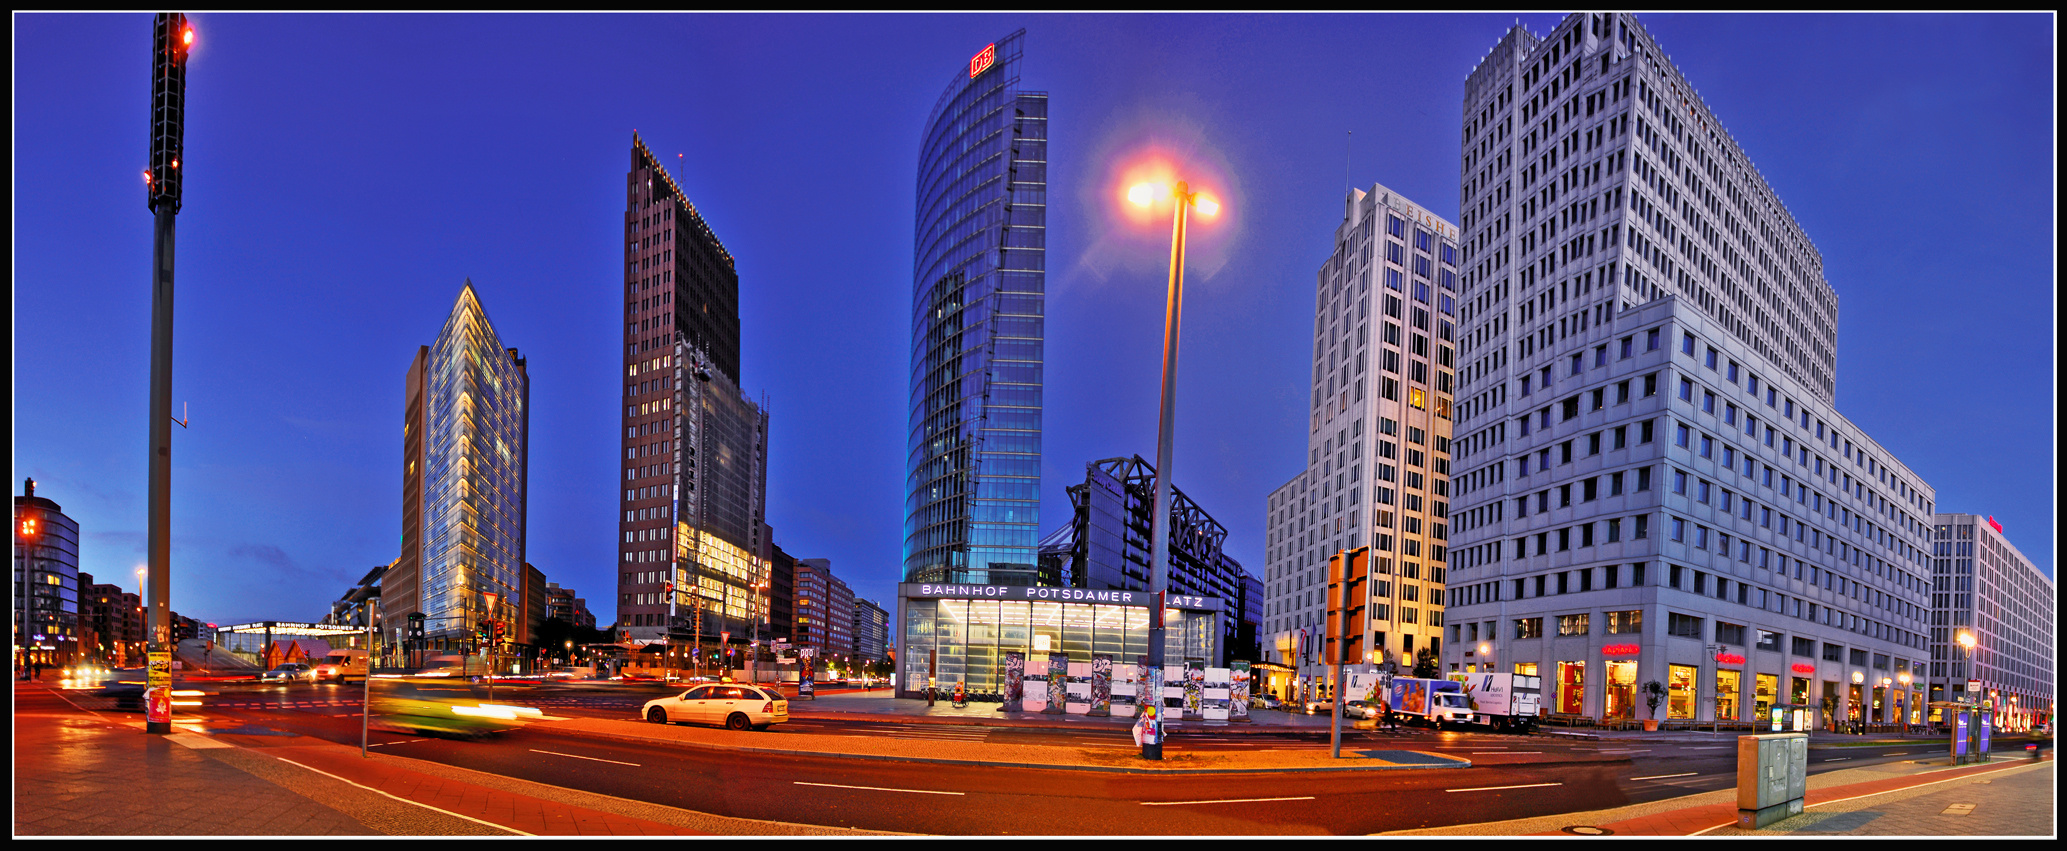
(981, 62)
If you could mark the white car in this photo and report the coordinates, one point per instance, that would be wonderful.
(737, 707)
(289, 672)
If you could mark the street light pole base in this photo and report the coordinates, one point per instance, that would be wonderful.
(157, 726)
(1154, 751)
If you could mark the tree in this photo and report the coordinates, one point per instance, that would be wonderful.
(1654, 692)
(1425, 664)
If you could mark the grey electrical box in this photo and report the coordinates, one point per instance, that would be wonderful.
(1772, 777)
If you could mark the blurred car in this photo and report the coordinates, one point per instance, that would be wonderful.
(440, 706)
(737, 707)
(343, 665)
(1264, 701)
(1359, 709)
(638, 678)
(289, 672)
(1319, 707)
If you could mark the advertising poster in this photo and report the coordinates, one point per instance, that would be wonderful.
(804, 675)
(1959, 735)
(1058, 683)
(1150, 683)
(1194, 689)
(1238, 687)
(1101, 684)
(1077, 700)
(1217, 691)
(1015, 681)
(1173, 693)
(158, 694)
(1987, 727)
(1033, 695)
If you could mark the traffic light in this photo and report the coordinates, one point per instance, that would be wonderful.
(495, 628)
(28, 529)
(172, 39)
(416, 626)
(481, 632)
(1346, 628)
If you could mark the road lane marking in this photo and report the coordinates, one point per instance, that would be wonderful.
(874, 788)
(385, 744)
(1508, 752)
(1664, 776)
(578, 756)
(1837, 759)
(1493, 788)
(1897, 753)
(1223, 801)
(406, 800)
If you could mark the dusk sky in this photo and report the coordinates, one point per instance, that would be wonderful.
(346, 173)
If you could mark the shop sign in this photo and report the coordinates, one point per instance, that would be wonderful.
(1804, 668)
(1621, 650)
(1729, 658)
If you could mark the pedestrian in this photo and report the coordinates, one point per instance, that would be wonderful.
(1385, 708)
(38, 666)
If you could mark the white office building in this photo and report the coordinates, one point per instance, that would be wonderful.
(1983, 586)
(1378, 446)
(1651, 482)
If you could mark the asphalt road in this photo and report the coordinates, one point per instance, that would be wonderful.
(1512, 777)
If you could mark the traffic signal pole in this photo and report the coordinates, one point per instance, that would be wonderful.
(170, 39)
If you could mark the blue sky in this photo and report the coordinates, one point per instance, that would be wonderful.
(347, 172)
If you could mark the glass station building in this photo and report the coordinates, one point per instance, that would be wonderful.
(961, 633)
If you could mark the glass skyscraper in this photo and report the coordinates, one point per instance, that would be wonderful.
(465, 446)
(974, 453)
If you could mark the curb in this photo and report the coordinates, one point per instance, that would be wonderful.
(1460, 763)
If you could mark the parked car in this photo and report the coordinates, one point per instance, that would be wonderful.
(737, 707)
(289, 672)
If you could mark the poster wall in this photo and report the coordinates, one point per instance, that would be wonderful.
(1215, 695)
(1077, 696)
(1194, 689)
(1101, 684)
(1238, 691)
(1173, 692)
(1126, 683)
(1015, 681)
(1150, 684)
(1058, 683)
(1034, 697)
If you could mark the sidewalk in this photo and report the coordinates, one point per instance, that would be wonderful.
(2012, 795)
(82, 773)
(879, 705)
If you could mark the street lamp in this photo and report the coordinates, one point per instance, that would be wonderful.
(1907, 703)
(1147, 195)
(1485, 655)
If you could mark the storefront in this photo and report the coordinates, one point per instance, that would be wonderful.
(960, 633)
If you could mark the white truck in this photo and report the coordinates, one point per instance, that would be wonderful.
(1437, 703)
(1505, 702)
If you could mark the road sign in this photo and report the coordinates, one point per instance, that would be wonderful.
(1973, 687)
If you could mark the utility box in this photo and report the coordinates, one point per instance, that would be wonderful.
(1772, 778)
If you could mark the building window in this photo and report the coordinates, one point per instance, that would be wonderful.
(1626, 623)
(1683, 626)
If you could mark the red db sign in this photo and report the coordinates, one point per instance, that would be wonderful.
(981, 62)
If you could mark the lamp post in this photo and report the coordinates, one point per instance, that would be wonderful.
(753, 661)
(1485, 656)
(1144, 195)
(1715, 720)
(1966, 640)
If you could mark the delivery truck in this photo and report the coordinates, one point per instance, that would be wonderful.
(1436, 703)
(1505, 702)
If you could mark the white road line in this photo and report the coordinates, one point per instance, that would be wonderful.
(1507, 752)
(1493, 788)
(1897, 753)
(875, 788)
(1837, 759)
(406, 800)
(1224, 801)
(591, 758)
(1663, 776)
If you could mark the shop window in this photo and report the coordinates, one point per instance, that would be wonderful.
(1571, 687)
(1679, 700)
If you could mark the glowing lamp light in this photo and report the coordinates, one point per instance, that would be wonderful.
(1144, 194)
(1206, 205)
(186, 37)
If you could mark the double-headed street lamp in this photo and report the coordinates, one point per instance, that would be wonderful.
(1148, 195)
